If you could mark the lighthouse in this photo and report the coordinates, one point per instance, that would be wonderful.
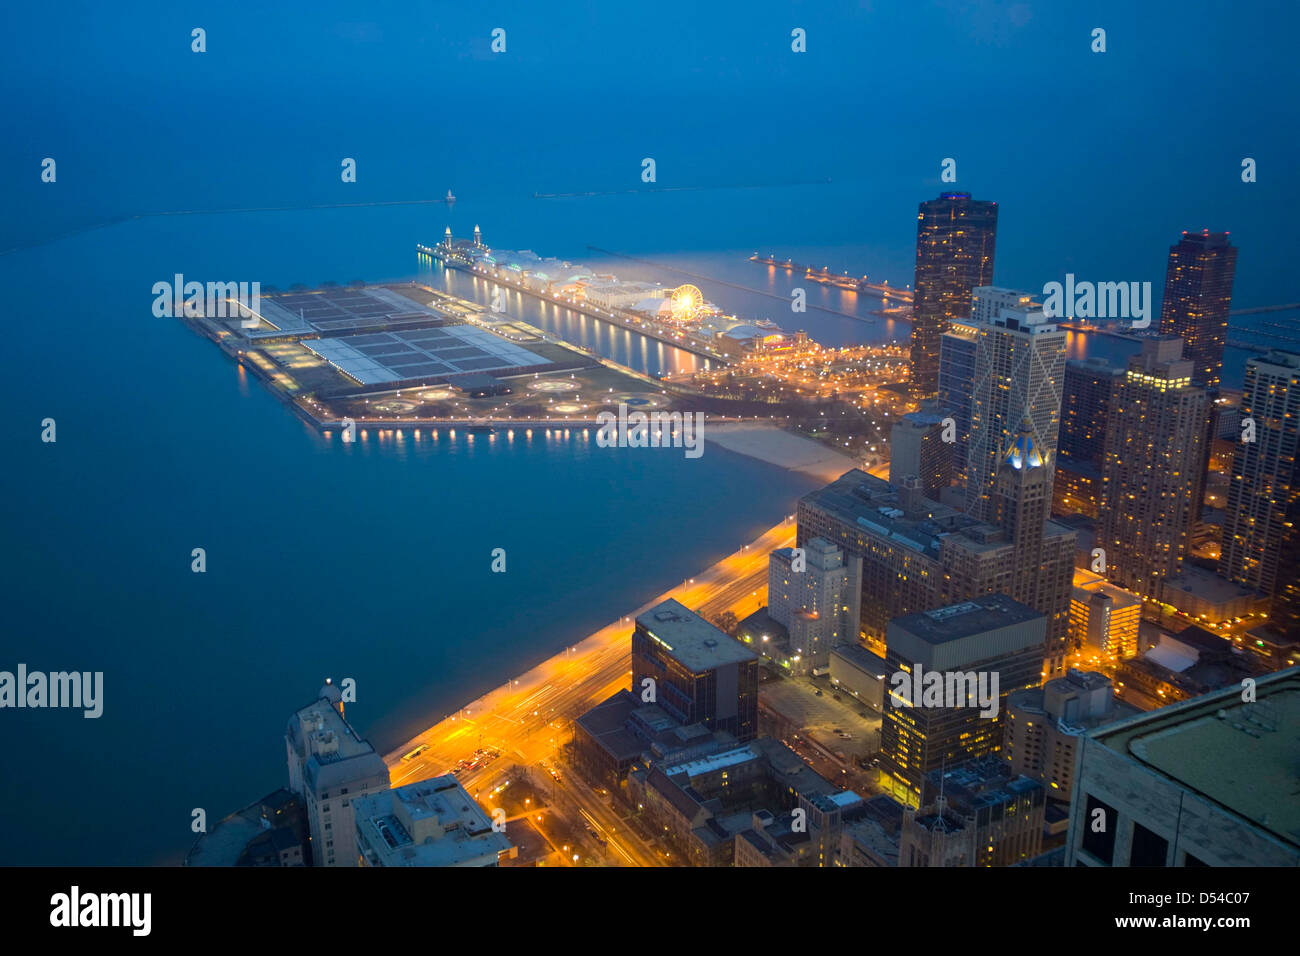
(478, 238)
(446, 238)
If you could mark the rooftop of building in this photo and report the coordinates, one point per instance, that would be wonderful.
(861, 499)
(458, 830)
(1204, 586)
(322, 720)
(1243, 756)
(979, 615)
(863, 659)
(690, 639)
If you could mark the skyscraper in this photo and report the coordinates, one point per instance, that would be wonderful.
(1259, 529)
(1019, 373)
(1198, 292)
(957, 351)
(1152, 473)
(955, 238)
(1086, 403)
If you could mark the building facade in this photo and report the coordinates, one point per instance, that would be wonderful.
(955, 240)
(1259, 544)
(986, 636)
(1153, 475)
(1198, 295)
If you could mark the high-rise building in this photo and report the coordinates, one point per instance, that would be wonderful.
(916, 447)
(1198, 293)
(1019, 374)
(957, 350)
(816, 604)
(986, 636)
(1205, 782)
(700, 674)
(1152, 474)
(955, 239)
(1259, 546)
(330, 766)
(1087, 401)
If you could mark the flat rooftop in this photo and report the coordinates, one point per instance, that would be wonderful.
(1243, 756)
(336, 311)
(987, 612)
(401, 355)
(690, 639)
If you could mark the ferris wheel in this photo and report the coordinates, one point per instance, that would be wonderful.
(686, 302)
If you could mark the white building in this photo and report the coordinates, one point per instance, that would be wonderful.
(818, 605)
(330, 766)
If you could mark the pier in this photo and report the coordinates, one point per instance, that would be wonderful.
(844, 281)
(684, 341)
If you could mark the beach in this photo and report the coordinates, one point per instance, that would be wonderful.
(775, 445)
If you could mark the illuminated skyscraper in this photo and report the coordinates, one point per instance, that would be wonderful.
(956, 380)
(955, 237)
(1086, 401)
(1198, 293)
(1019, 372)
(1152, 473)
(1259, 526)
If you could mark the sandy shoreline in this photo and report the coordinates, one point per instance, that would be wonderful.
(776, 446)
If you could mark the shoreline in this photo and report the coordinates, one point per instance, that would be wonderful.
(585, 653)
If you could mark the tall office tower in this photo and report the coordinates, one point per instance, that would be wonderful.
(991, 634)
(916, 447)
(818, 604)
(1019, 373)
(1039, 567)
(1086, 402)
(955, 238)
(1258, 548)
(1204, 782)
(1198, 293)
(957, 349)
(330, 766)
(1152, 473)
(700, 674)
(1285, 614)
